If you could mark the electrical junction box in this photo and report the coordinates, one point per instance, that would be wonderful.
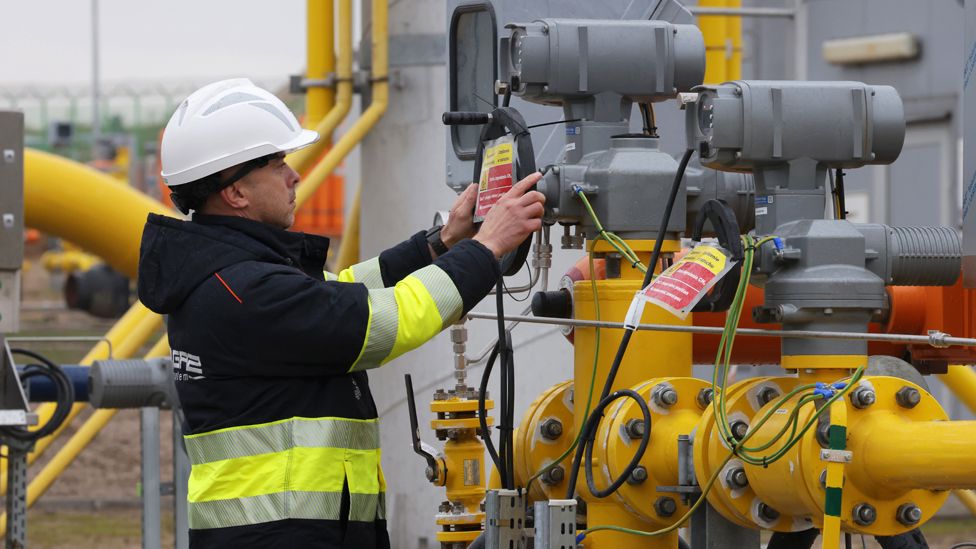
(11, 217)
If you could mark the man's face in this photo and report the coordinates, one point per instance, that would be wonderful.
(271, 193)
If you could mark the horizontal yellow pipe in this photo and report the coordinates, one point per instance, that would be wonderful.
(96, 212)
(930, 455)
(46, 477)
(303, 160)
(68, 261)
(369, 118)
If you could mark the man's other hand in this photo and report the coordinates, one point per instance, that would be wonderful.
(460, 223)
(513, 218)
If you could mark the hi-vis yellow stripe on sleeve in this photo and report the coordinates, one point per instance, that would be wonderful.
(367, 273)
(405, 316)
(293, 468)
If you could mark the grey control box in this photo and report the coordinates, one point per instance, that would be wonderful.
(11, 217)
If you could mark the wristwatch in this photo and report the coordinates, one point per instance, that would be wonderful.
(434, 239)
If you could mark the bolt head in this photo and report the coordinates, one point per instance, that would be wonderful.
(908, 397)
(863, 397)
(430, 474)
(444, 507)
(635, 428)
(767, 513)
(704, 397)
(864, 514)
(665, 506)
(552, 428)
(637, 476)
(909, 514)
(736, 478)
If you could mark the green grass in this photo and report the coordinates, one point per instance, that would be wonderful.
(104, 529)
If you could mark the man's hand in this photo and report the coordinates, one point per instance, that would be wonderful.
(513, 218)
(460, 224)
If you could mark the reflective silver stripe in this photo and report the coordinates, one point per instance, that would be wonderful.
(383, 323)
(284, 505)
(368, 273)
(279, 436)
(329, 277)
(444, 292)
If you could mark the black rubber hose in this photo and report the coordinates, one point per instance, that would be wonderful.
(483, 413)
(589, 433)
(64, 401)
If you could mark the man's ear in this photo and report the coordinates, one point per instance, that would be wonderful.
(235, 196)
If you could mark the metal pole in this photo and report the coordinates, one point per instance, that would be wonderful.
(181, 478)
(96, 127)
(149, 428)
(744, 12)
(935, 338)
(16, 537)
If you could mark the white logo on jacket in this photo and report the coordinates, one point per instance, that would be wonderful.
(186, 366)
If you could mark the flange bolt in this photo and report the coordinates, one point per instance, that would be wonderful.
(638, 476)
(665, 397)
(635, 428)
(665, 506)
(864, 514)
(862, 397)
(552, 428)
(908, 397)
(554, 475)
(739, 429)
(767, 513)
(704, 397)
(736, 478)
(909, 514)
(767, 395)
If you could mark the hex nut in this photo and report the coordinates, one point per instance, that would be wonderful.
(554, 475)
(909, 514)
(864, 514)
(637, 476)
(766, 395)
(665, 506)
(862, 397)
(664, 396)
(635, 428)
(739, 429)
(704, 397)
(552, 429)
(767, 513)
(908, 397)
(736, 478)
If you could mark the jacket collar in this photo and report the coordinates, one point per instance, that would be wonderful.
(304, 251)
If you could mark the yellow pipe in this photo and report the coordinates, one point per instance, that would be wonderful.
(102, 216)
(46, 477)
(349, 247)
(68, 261)
(961, 380)
(723, 42)
(968, 498)
(304, 159)
(320, 40)
(369, 118)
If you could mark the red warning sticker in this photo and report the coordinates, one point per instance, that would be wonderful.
(686, 282)
(496, 174)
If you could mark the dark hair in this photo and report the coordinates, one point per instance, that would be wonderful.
(193, 195)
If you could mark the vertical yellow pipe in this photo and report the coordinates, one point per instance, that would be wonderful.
(46, 477)
(968, 498)
(349, 248)
(320, 44)
(961, 380)
(723, 42)
(377, 108)
(303, 160)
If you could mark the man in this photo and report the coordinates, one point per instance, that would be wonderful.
(269, 356)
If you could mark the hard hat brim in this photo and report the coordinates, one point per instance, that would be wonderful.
(304, 139)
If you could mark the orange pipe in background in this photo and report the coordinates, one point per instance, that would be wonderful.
(914, 310)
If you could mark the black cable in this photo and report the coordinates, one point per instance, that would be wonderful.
(483, 413)
(625, 341)
(65, 399)
(554, 123)
(963, 544)
(645, 439)
(847, 541)
(839, 191)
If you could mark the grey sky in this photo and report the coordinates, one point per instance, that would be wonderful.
(49, 42)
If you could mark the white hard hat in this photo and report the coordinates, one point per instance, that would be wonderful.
(224, 124)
